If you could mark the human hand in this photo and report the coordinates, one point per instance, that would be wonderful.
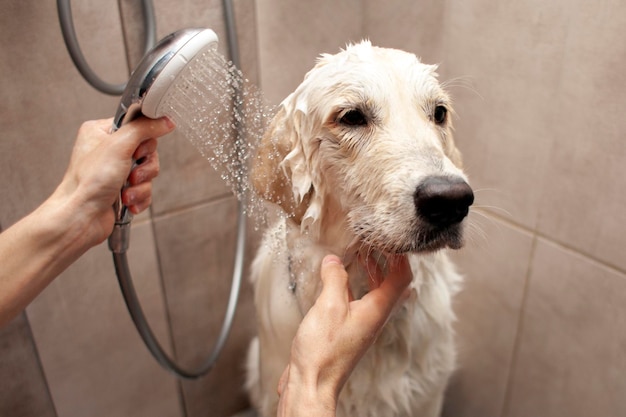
(101, 164)
(335, 334)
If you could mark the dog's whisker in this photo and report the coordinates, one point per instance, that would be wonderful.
(481, 209)
(461, 82)
(474, 230)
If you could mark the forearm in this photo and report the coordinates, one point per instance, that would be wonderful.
(35, 250)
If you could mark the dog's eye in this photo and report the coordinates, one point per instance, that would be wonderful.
(440, 114)
(353, 118)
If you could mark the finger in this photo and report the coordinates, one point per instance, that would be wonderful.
(137, 197)
(147, 170)
(391, 289)
(333, 273)
(132, 134)
(146, 148)
(395, 283)
(400, 274)
(335, 282)
(282, 381)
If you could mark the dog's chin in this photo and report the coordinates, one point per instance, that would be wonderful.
(421, 240)
(428, 240)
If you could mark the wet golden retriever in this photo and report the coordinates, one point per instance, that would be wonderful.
(361, 158)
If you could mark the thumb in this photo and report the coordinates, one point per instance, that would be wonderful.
(334, 279)
(132, 134)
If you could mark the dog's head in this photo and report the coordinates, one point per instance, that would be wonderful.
(368, 132)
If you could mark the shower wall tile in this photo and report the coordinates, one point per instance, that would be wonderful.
(571, 356)
(186, 178)
(293, 33)
(23, 389)
(488, 310)
(197, 248)
(583, 196)
(43, 98)
(93, 359)
(421, 24)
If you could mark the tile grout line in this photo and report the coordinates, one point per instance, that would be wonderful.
(506, 402)
(168, 317)
(40, 364)
(539, 235)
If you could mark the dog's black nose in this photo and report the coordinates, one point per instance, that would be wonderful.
(443, 201)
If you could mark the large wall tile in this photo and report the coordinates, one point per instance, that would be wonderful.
(43, 98)
(93, 359)
(494, 263)
(583, 200)
(292, 34)
(422, 24)
(572, 351)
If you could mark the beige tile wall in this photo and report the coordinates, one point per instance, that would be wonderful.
(75, 352)
(538, 89)
(539, 92)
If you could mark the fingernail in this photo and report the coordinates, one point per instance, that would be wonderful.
(169, 123)
(331, 259)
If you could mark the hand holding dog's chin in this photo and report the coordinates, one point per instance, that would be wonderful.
(334, 336)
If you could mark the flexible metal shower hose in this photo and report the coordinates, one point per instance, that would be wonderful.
(119, 257)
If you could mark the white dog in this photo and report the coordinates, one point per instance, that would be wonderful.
(361, 158)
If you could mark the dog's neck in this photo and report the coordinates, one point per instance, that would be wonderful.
(307, 249)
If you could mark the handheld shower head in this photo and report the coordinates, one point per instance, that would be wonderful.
(166, 73)
(157, 72)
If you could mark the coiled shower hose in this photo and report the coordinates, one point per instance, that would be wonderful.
(119, 254)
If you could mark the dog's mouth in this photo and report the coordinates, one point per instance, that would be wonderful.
(433, 239)
(422, 239)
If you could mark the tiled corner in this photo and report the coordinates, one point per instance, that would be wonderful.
(571, 359)
(93, 359)
(494, 263)
(197, 248)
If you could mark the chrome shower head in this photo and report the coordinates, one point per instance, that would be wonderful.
(158, 71)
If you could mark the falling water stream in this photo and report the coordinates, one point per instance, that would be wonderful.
(224, 116)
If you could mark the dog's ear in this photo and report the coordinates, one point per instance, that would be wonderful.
(279, 170)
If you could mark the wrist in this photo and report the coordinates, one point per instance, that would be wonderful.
(68, 221)
(307, 397)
